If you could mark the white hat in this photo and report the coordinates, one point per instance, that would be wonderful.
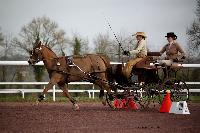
(140, 34)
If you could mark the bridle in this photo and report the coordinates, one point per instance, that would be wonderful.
(39, 55)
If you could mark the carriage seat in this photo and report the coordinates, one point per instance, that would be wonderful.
(144, 63)
(153, 54)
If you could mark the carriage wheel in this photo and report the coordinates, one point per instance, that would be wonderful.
(150, 95)
(179, 91)
(143, 96)
(110, 99)
(144, 99)
(120, 100)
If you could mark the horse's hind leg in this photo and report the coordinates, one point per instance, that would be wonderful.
(62, 86)
(103, 86)
(101, 95)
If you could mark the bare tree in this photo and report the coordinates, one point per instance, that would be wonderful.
(102, 44)
(2, 68)
(193, 32)
(1, 38)
(46, 31)
(7, 52)
(127, 43)
(5, 47)
(4, 52)
(111, 47)
(84, 46)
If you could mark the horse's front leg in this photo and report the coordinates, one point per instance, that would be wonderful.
(63, 87)
(49, 86)
(101, 96)
(103, 86)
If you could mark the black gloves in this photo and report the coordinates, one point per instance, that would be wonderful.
(126, 53)
(179, 60)
(183, 57)
(175, 60)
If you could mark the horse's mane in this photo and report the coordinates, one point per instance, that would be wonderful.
(49, 49)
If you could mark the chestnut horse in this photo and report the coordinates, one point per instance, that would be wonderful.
(62, 70)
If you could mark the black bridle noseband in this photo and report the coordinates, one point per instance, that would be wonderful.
(39, 55)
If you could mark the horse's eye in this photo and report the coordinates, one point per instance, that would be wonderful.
(31, 51)
(37, 50)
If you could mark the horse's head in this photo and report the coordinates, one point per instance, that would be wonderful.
(35, 54)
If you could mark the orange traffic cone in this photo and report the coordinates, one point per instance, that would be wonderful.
(132, 104)
(166, 103)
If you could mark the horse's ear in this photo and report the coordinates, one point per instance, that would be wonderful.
(40, 43)
(30, 52)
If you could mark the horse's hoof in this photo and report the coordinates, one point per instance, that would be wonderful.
(113, 106)
(37, 103)
(76, 107)
(103, 102)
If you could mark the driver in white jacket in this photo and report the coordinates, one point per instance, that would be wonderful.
(139, 53)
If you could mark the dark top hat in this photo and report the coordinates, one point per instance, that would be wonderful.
(171, 34)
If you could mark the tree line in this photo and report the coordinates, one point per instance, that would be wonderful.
(48, 31)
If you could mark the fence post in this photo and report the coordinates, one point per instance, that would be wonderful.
(89, 94)
(141, 91)
(93, 91)
(54, 93)
(22, 94)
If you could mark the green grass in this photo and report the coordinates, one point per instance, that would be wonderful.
(48, 98)
(195, 98)
(60, 98)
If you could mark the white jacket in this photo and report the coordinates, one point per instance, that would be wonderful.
(141, 48)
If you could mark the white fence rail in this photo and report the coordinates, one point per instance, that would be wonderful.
(90, 92)
(25, 63)
(54, 90)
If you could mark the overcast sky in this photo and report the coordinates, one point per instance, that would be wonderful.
(155, 17)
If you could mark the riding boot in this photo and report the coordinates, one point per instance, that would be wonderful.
(165, 70)
(40, 98)
(129, 77)
(165, 73)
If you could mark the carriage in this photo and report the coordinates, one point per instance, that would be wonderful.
(147, 84)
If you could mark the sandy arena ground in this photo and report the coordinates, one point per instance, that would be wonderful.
(93, 118)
